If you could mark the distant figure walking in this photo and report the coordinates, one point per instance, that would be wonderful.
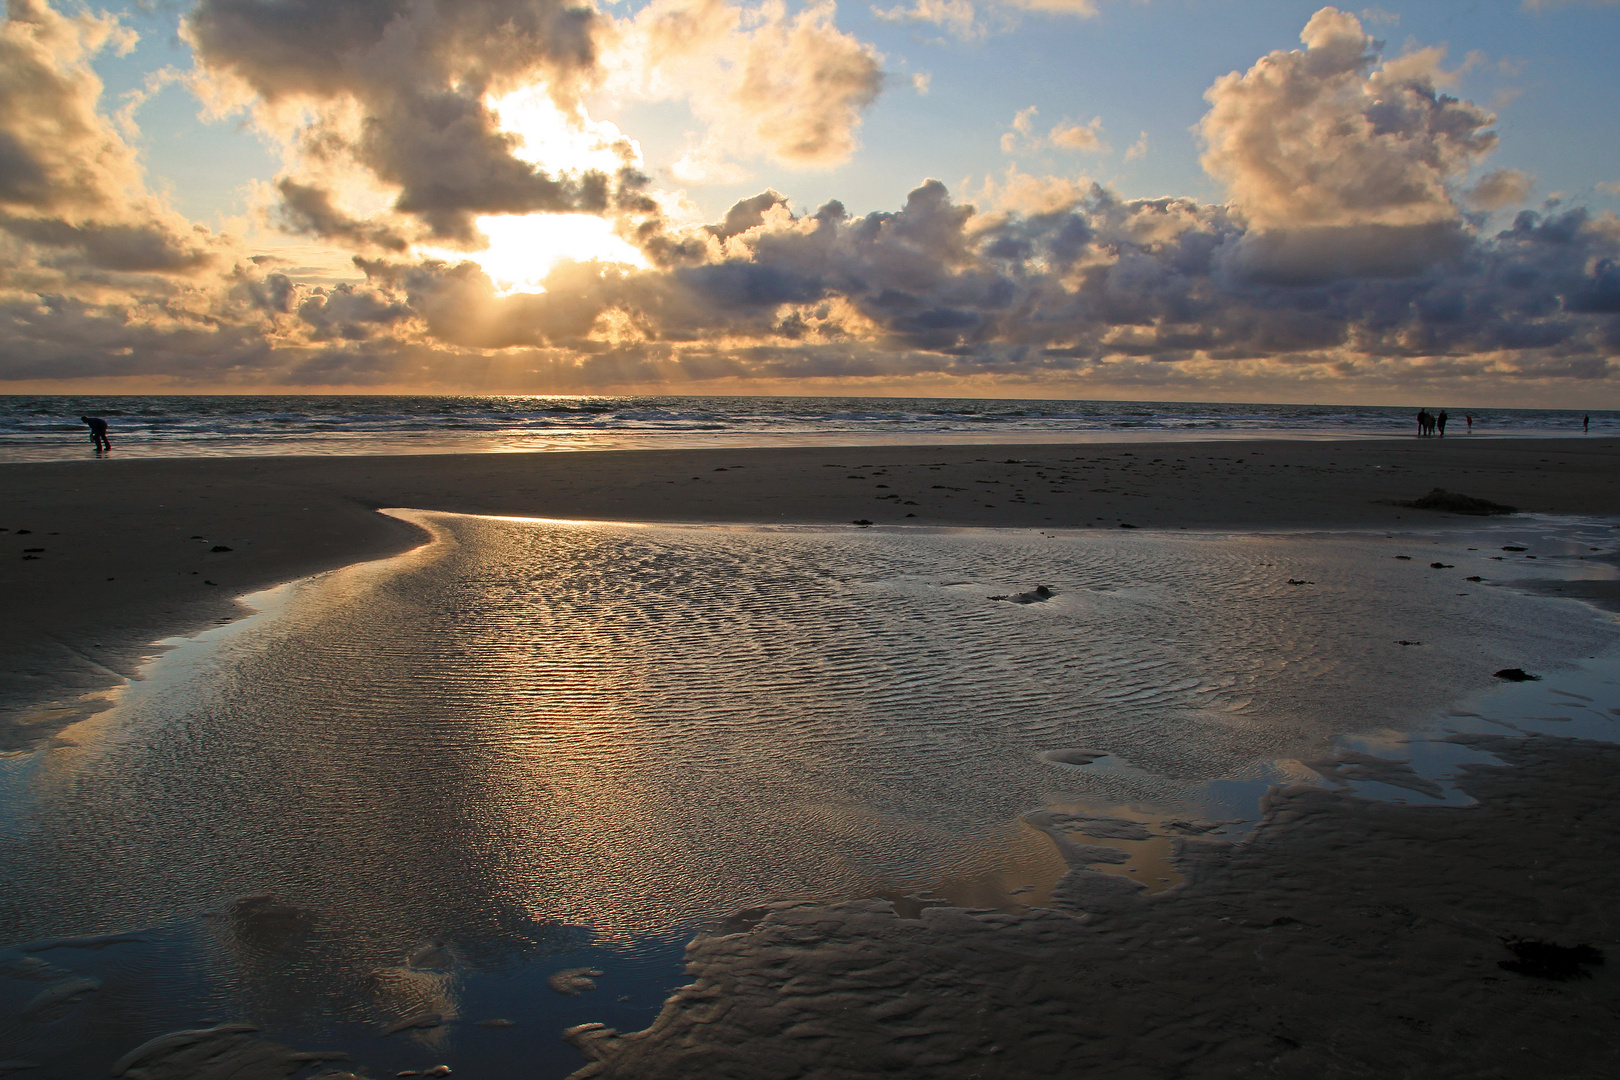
(1470, 418)
(98, 433)
(1423, 422)
(1440, 422)
(1586, 425)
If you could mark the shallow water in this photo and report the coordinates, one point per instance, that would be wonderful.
(537, 745)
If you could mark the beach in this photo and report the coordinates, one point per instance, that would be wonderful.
(129, 545)
(655, 666)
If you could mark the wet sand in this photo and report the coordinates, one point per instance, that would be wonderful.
(1348, 938)
(130, 547)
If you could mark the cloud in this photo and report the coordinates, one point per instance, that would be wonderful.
(72, 191)
(1341, 163)
(1342, 261)
(1087, 138)
(1064, 135)
(1137, 149)
(956, 17)
(790, 88)
(1501, 188)
(401, 91)
(1329, 136)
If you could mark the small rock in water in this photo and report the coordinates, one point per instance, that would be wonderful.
(573, 980)
(1514, 674)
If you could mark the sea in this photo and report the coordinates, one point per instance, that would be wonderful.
(47, 428)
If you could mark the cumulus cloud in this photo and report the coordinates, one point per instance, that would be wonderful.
(70, 186)
(1341, 162)
(792, 87)
(1329, 136)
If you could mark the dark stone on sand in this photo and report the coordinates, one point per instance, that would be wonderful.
(1514, 547)
(1456, 503)
(1403, 641)
(1513, 674)
(861, 521)
(1038, 595)
(1408, 558)
(496, 1022)
(1124, 525)
(1543, 960)
(1476, 577)
(1300, 581)
(221, 547)
(1442, 566)
(1073, 757)
(33, 549)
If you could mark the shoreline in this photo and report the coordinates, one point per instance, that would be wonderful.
(131, 547)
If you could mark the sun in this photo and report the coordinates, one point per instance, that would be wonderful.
(524, 248)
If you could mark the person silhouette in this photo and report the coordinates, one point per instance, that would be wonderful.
(1440, 423)
(98, 433)
(1586, 424)
(1470, 418)
(1423, 422)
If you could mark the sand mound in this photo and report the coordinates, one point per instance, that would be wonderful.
(1455, 503)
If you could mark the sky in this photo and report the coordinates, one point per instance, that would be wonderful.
(1239, 200)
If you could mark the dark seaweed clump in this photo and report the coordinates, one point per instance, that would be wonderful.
(1544, 960)
(1517, 674)
(1455, 503)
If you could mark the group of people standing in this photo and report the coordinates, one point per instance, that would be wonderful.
(1432, 424)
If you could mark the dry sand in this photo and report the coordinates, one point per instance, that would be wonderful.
(1349, 939)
